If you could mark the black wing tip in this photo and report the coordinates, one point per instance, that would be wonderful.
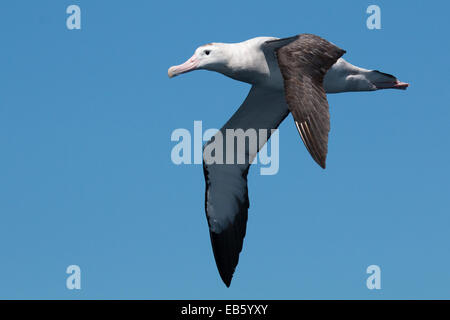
(227, 243)
(226, 249)
(226, 271)
(226, 278)
(323, 165)
(311, 145)
(320, 162)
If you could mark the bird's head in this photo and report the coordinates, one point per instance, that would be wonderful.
(211, 56)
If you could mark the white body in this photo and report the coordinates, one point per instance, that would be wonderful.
(246, 64)
(253, 62)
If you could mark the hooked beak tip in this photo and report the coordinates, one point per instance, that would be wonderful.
(189, 65)
(171, 72)
(401, 85)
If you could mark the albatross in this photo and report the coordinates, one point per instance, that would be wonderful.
(289, 75)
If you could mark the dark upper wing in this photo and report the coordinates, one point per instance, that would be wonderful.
(303, 63)
(226, 200)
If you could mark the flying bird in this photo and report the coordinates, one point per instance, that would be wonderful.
(287, 75)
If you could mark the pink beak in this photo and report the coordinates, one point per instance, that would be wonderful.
(189, 65)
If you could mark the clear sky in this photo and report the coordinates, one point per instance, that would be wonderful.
(86, 176)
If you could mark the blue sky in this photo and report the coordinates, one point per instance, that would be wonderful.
(86, 176)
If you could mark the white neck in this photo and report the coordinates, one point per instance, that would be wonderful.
(247, 62)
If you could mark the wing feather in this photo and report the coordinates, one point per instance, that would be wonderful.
(303, 64)
(226, 200)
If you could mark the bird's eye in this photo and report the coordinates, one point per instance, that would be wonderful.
(207, 52)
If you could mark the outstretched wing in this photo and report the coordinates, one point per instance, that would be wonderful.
(303, 64)
(226, 201)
